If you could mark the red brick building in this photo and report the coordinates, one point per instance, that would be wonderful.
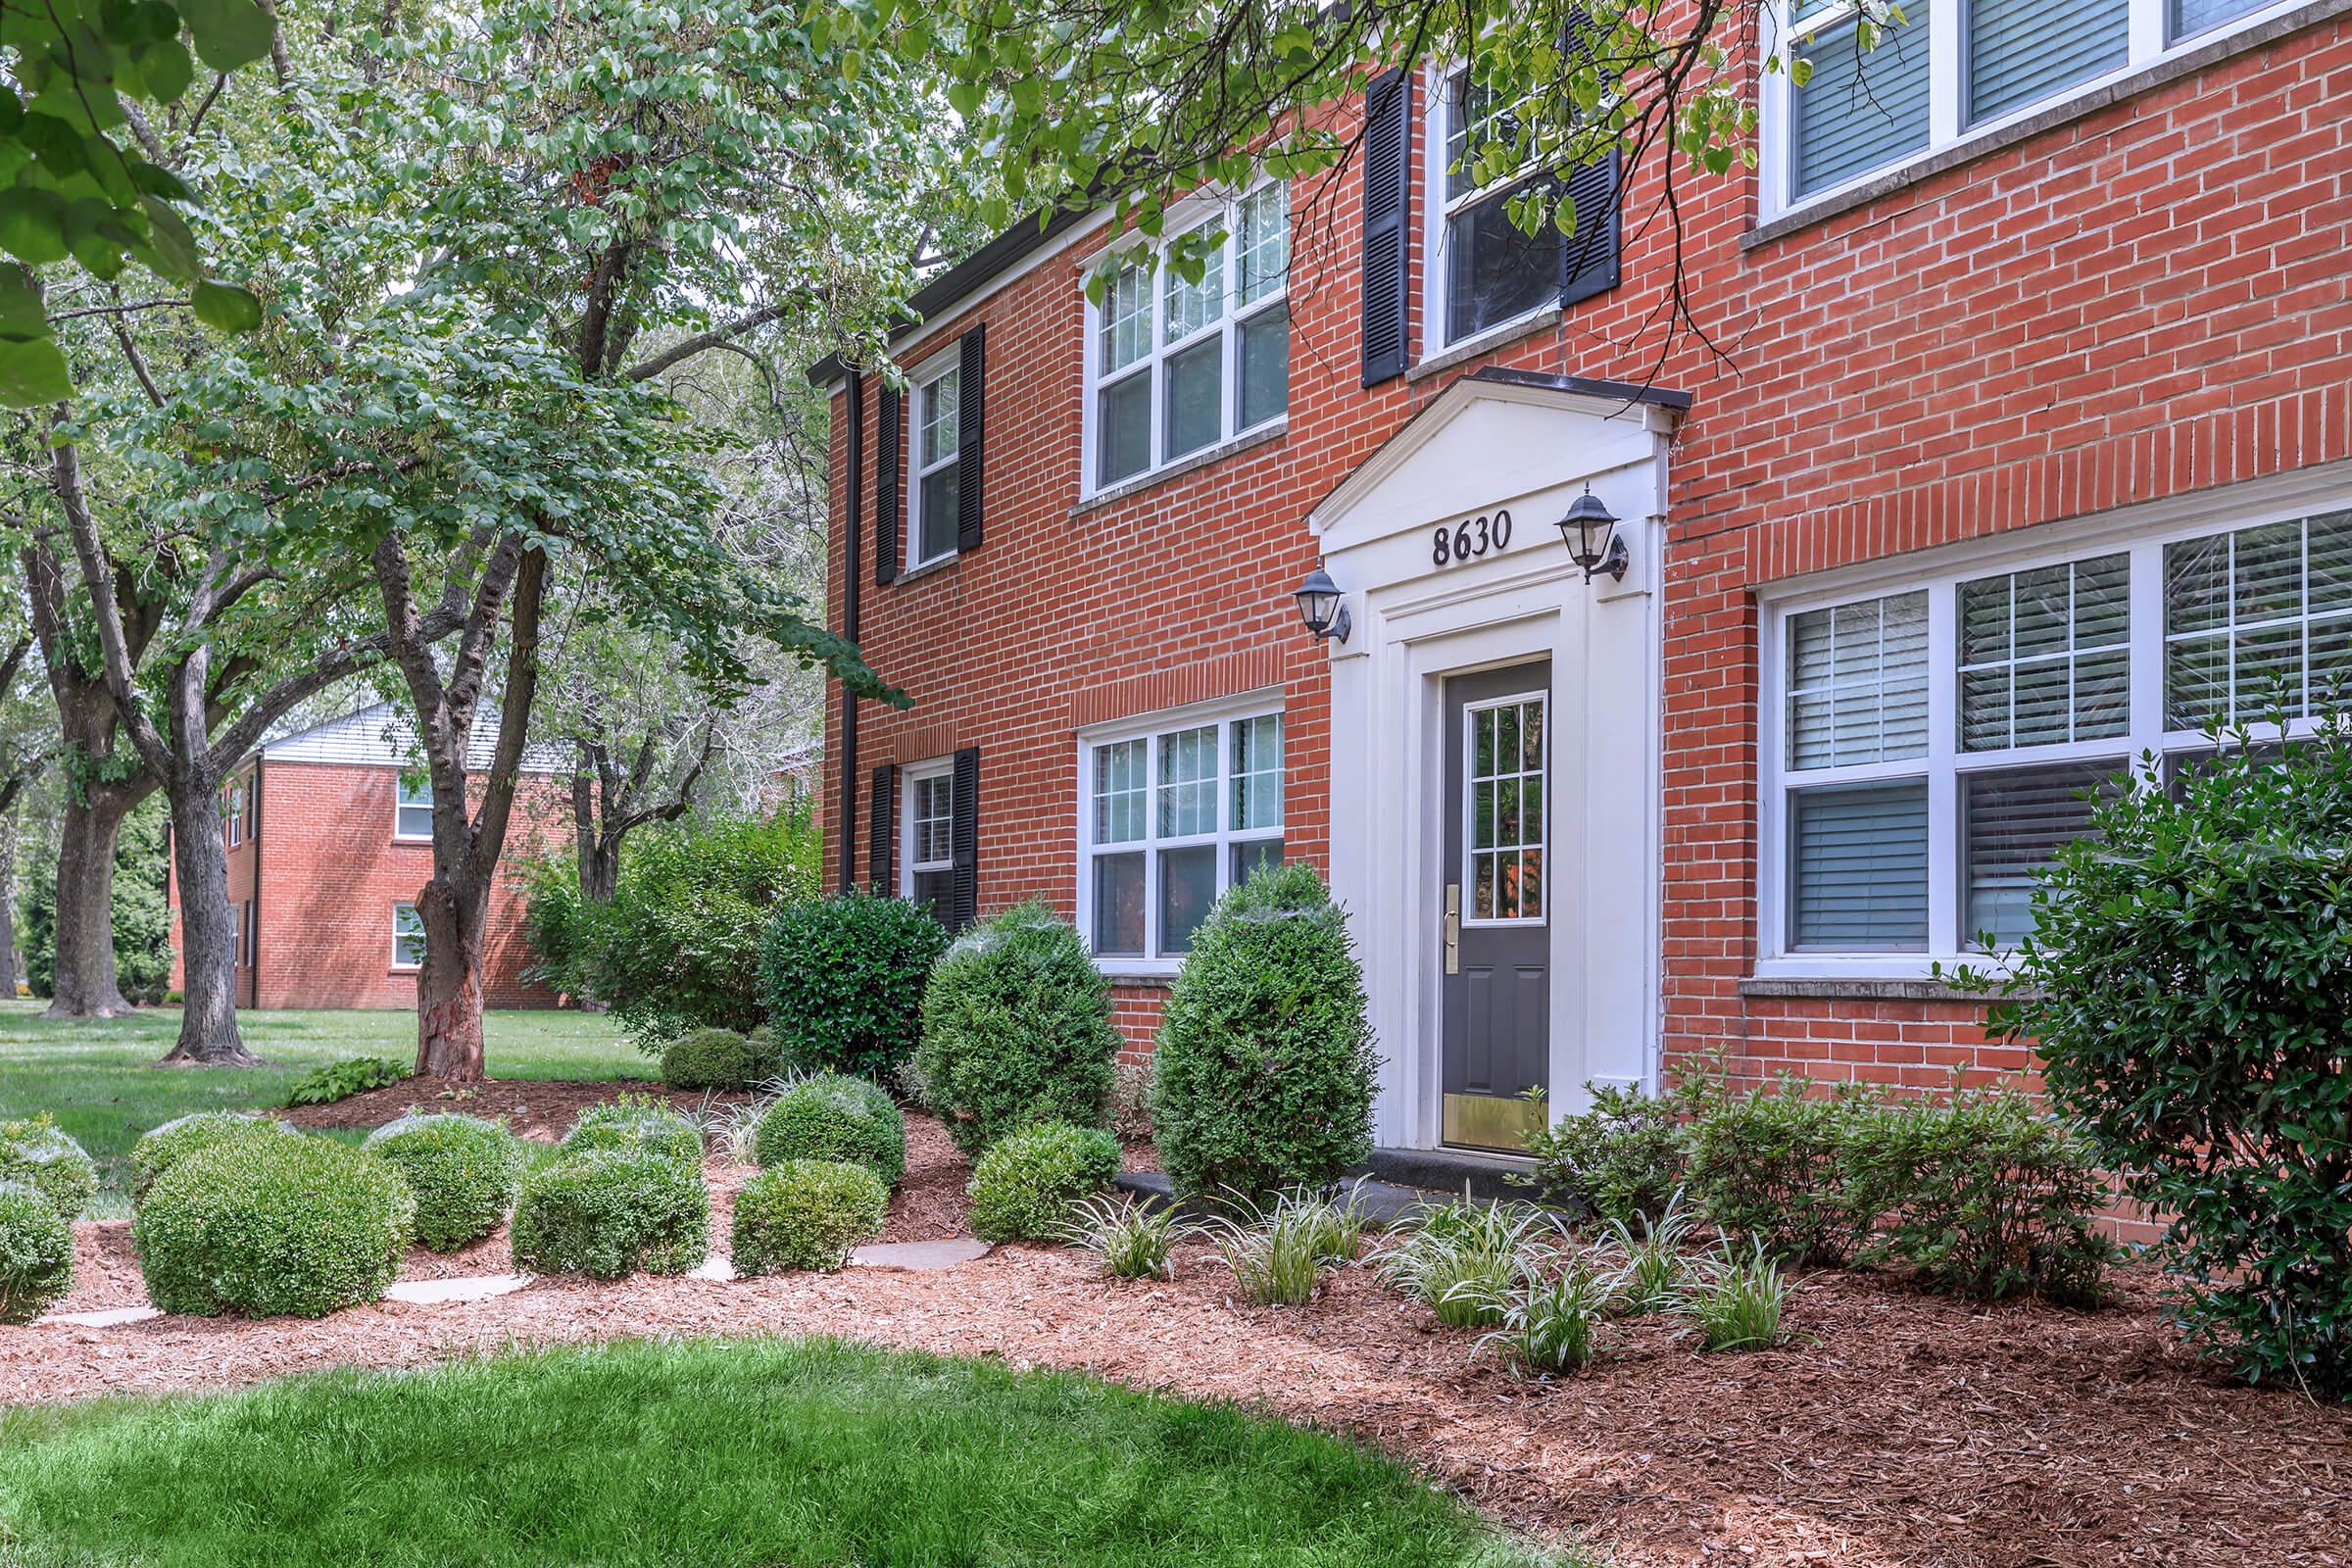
(2024, 448)
(328, 848)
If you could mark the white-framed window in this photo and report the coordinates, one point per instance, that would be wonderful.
(408, 936)
(249, 943)
(238, 924)
(1485, 272)
(926, 858)
(1504, 814)
(1951, 70)
(1174, 367)
(1173, 810)
(936, 436)
(236, 809)
(1928, 744)
(413, 817)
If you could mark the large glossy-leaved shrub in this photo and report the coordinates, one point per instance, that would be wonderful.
(464, 1171)
(842, 979)
(1016, 1029)
(2187, 983)
(1264, 1076)
(35, 1152)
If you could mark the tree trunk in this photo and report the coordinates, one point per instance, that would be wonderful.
(600, 867)
(8, 904)
(85, 985)
(208, 938)
(449, 983)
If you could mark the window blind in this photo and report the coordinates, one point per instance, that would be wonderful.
(1858, 682)
(2045, 655)
(2016, 818)
(1858, 867)
(1860, 108)
(2020, 50)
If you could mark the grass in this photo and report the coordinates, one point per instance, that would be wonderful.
(100, 1079)
(814, 1453)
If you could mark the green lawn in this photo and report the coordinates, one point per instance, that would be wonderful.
(99, 1078)
(811, 1453)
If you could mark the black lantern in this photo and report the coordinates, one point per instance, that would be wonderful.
(1320, 608)
(1589, 531)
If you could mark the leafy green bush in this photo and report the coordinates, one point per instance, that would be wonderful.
(273, 1225)
(33, 1151)
(166, 1146)
(340, 1080)
(806, 1213)
(829, 1116)
(844, 978)
(722, 1059)
(1022, 1188)
(1264, 1072)
(1016, 1029)
(555, 923)
(1620, 1157)
(2187, 984)
(633, 1121)
(1983, 1194)
(611, 1211)
(1771, 1163)
(464, 1171)
(36, 1253)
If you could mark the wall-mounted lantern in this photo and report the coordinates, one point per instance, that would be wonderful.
(1320, 606)
(1589, 531)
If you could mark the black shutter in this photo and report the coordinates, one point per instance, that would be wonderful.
(963, 841)
(1388, 179)
(968, 414)
(883, 825)
(1589, 256)
(888, 521)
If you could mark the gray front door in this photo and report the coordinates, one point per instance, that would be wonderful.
(1496, 931)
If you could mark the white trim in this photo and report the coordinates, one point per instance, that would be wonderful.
(400, 964)
(919, 392)
(403, 800)
(911, 776)
(1788, 20)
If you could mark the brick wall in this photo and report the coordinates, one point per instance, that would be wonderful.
(2145, 300)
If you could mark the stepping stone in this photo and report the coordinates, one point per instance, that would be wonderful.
(112, 1317)
(713, 1267)
(920, 1254)
(473, 1287)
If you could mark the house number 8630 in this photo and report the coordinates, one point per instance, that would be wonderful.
(1467, 541)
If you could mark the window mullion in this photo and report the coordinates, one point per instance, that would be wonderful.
(2147, 29)
(1945, 854)
(1946, 111)
(2147, 646)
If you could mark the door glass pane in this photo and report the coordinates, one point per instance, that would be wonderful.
(1265, 367)
(1188, 886)
(1503, 801)
(1860, 108)
(1123, 429)
(1196, 383)
(1858, 867)
(2022, 50)
(1119, 905)
(1187, 782)
(2016, 818)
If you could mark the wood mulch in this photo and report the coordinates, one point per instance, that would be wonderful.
(1895, 1428)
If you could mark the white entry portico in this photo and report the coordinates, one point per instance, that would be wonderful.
(1445, 544)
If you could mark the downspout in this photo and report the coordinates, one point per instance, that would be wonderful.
(854, 569)
(252, 932)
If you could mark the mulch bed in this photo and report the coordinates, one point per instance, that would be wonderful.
(1895, 1429)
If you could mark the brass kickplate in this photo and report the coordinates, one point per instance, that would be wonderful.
(1491, 1121)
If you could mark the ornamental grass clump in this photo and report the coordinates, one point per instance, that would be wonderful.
(828, 1116)
(612, 1210)
(267, 1225)
(843, 978)
(720, 1059)
(1466, 1259)
(1551, 1323)
(1016, 1029)
(806, 1214)
(1023, 1187)
(1132, 1241)
(35, 1152)
(166, 1146)
(1735, 1298)
(36, 1253)
(1645, 1257)
(464, 1173)
(1264, 1075)
(637, 1121)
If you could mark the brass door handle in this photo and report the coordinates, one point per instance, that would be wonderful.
(1454, 928)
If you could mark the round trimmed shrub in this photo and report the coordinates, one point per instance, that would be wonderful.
(829, 1116)
(611, 1212)
(1023, 1187)
(720, 1058)
(298, 1226)
(175, 1141)
(1016, 1029)
(806, 1213)
(464, 1171)
(636, 1121)
(1264, 1075)
(36, 1253)
(843, 978)
(36, 1153)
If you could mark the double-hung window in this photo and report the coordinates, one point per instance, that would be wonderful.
(1929, 749)
(938, 437)
(929, 811)
(1173, 813)
(413, 817)
(1946, 71)
(1488, 271)
(408, 936)
(250, 945)
(1176, 365)
(236, 804)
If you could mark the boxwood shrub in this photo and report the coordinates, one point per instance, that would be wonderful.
(36, 1253)
(806, 1214)
(166, 1146)
(720, 1059)
(1016, 1029)
(35, 1152)
(633, 1121)
(842, 979)
(1022, 1188)
(1264, 1072)
(612, 1210)
(464, 1173)
(828, 1116)
(268, 1225)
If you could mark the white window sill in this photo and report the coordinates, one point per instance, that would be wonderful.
(940, 564)
(1485, 342)
(1904, 977)
(1273, 431)
(412, 838)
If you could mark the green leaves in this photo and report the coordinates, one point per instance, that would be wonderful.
(226, 307)
(229, 32)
